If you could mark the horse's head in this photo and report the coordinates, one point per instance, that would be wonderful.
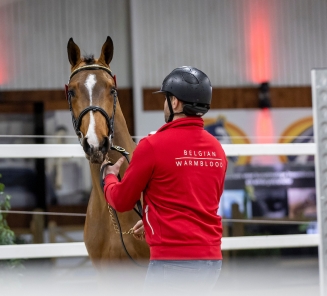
(92, 94)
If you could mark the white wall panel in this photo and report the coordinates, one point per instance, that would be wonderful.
(300, 41)
(224, 38)
(34, 36)
(216, 37)
(213, 35)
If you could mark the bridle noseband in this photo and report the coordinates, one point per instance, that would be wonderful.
(109, 120)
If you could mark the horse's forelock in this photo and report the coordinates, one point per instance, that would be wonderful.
(89, 59)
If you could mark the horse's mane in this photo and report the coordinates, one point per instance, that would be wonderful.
(88, 59)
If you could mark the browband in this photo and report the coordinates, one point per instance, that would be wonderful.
(91, 67)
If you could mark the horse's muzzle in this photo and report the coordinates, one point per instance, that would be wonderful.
(96, 154)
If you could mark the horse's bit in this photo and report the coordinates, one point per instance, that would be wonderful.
(77, 122)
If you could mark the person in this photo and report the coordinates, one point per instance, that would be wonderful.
(180, 170)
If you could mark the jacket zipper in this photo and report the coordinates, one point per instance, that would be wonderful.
(147, 217)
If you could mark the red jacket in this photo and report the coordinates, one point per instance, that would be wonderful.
(181, 171)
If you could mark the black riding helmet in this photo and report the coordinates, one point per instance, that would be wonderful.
(192, 87)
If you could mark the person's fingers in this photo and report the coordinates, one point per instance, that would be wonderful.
(120, 161)
(139, 230)
(138, 226)
(139, 233)
(103, 164)
(138, 236)
(113, 169)
(116, 167)
(104, 171)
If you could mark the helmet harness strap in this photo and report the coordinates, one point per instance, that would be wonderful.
(172, 114)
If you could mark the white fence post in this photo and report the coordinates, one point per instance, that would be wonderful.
(319, 106)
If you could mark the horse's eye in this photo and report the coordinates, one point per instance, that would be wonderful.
(71, 93)
(113, 91)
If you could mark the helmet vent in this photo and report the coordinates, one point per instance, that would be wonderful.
(190, 78)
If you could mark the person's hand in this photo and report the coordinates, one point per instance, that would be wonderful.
(112, 169)
(138, 229)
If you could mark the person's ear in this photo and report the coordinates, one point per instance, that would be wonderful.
(174, 102)
(177, 104)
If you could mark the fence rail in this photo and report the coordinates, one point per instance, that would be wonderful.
(77, 249)
(75, 150)
(228, 243)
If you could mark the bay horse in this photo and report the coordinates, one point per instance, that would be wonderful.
(98, 121)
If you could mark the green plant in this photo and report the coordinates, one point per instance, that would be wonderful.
(7, 236)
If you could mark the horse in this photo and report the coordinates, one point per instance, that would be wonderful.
(98, 122)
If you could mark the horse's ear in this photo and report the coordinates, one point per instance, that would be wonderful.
(107, 51)
(74, 54)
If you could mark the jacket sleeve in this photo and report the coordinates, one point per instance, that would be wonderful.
(122, 196)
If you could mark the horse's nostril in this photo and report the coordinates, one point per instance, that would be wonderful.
(86, 146)
(104, 146)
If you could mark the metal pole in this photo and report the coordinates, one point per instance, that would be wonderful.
(319, 108)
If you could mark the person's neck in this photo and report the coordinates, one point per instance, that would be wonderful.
(178, 116)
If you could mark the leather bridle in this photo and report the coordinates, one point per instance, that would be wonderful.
(109, 120)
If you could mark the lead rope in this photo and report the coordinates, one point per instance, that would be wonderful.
(113, 218)
(112, 212)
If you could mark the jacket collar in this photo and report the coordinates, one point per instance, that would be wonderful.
(181, 122)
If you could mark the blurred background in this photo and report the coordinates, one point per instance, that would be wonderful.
(258, 55)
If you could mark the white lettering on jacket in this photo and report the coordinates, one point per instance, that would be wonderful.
(199, 153)
(199, 158)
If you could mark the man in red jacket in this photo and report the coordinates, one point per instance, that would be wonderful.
(181, 171)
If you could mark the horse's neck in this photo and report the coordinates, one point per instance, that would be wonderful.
(121, 138)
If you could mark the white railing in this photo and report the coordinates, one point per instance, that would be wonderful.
(228, 243)
(75, 150)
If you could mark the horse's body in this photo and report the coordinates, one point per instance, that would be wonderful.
(95, 87)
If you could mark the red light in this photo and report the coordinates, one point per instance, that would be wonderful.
(5, 50)
(4, 77)
(264, 127)
(264, 135)
(259, 42)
